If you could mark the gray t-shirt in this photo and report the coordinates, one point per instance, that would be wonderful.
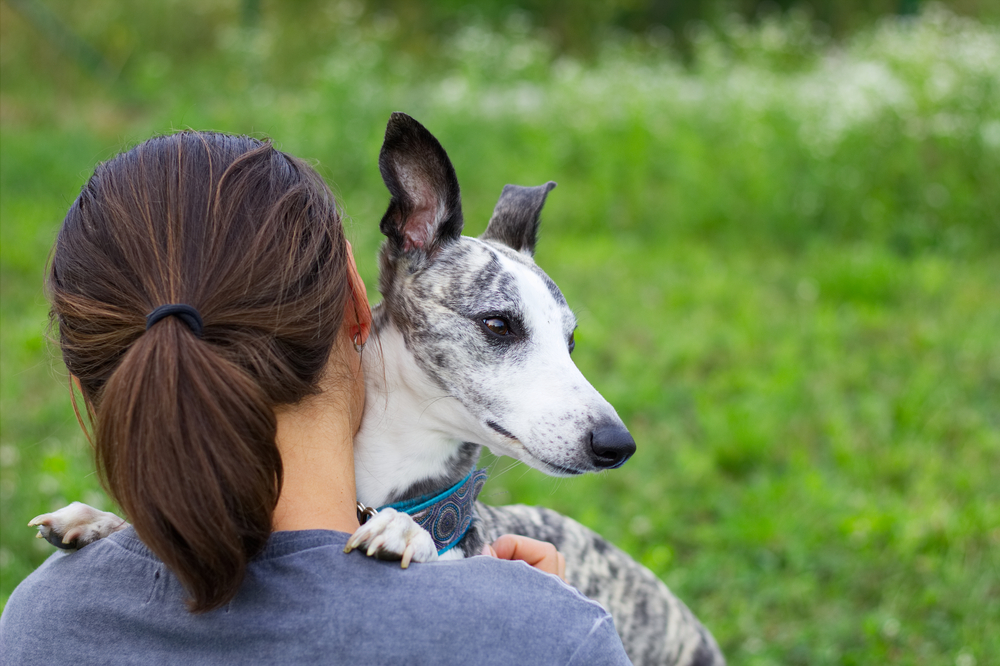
(303, 602)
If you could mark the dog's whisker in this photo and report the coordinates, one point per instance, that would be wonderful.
(509, 467)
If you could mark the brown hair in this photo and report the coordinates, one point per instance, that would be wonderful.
(185, 427)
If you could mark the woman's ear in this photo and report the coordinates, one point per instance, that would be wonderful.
(359, 313)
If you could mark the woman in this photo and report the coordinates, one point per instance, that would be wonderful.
(208, 305)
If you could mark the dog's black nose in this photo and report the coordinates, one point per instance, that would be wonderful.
(612, 445)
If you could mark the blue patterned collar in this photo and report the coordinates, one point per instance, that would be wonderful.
(448, 514)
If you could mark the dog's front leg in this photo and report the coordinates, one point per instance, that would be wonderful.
(76, 525)
(391, 535)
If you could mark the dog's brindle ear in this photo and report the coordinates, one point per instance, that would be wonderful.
(515, 218)
(425, 211)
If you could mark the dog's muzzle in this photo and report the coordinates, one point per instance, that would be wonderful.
(611, 445)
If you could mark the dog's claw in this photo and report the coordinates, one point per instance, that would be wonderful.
(73, 534)
(354, 541)
(376, 544)
(407, 555)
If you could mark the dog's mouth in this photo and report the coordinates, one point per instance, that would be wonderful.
(503, 431)
(549, 468)
(562, 471)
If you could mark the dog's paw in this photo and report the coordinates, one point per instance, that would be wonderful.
(76, 525)
(391, 535)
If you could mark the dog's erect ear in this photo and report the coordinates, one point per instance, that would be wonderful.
(515, 218)
(425, 211)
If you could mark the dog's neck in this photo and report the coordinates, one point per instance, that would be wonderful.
(414, 439)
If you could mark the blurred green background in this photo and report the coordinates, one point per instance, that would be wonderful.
(778, 223)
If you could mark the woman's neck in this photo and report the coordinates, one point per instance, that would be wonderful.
(315, 438)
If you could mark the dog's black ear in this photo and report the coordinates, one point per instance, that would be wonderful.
(425, 211)
(515, 218)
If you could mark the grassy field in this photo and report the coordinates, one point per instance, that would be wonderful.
(785, 260)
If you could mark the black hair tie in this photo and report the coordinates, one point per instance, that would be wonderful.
(185, 313)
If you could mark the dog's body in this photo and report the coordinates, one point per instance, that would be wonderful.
(472, 347)
(444, 385)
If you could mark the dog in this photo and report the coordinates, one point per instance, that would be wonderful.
(472, 347)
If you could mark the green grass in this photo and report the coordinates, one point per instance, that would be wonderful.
(817, 443)
(785, 262)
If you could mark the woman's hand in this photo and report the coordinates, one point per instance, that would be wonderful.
(540, 554)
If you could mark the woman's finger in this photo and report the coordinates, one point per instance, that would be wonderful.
(539, 554)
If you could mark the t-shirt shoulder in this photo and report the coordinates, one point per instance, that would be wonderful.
(304, 601)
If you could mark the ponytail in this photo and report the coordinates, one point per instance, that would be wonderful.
(186, 439)
(185, 414)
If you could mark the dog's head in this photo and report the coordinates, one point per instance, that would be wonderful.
(482, 320)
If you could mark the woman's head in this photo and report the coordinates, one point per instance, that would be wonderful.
(185, 425)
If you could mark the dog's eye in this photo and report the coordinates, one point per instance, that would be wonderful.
(497, 325)
(572, 342)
